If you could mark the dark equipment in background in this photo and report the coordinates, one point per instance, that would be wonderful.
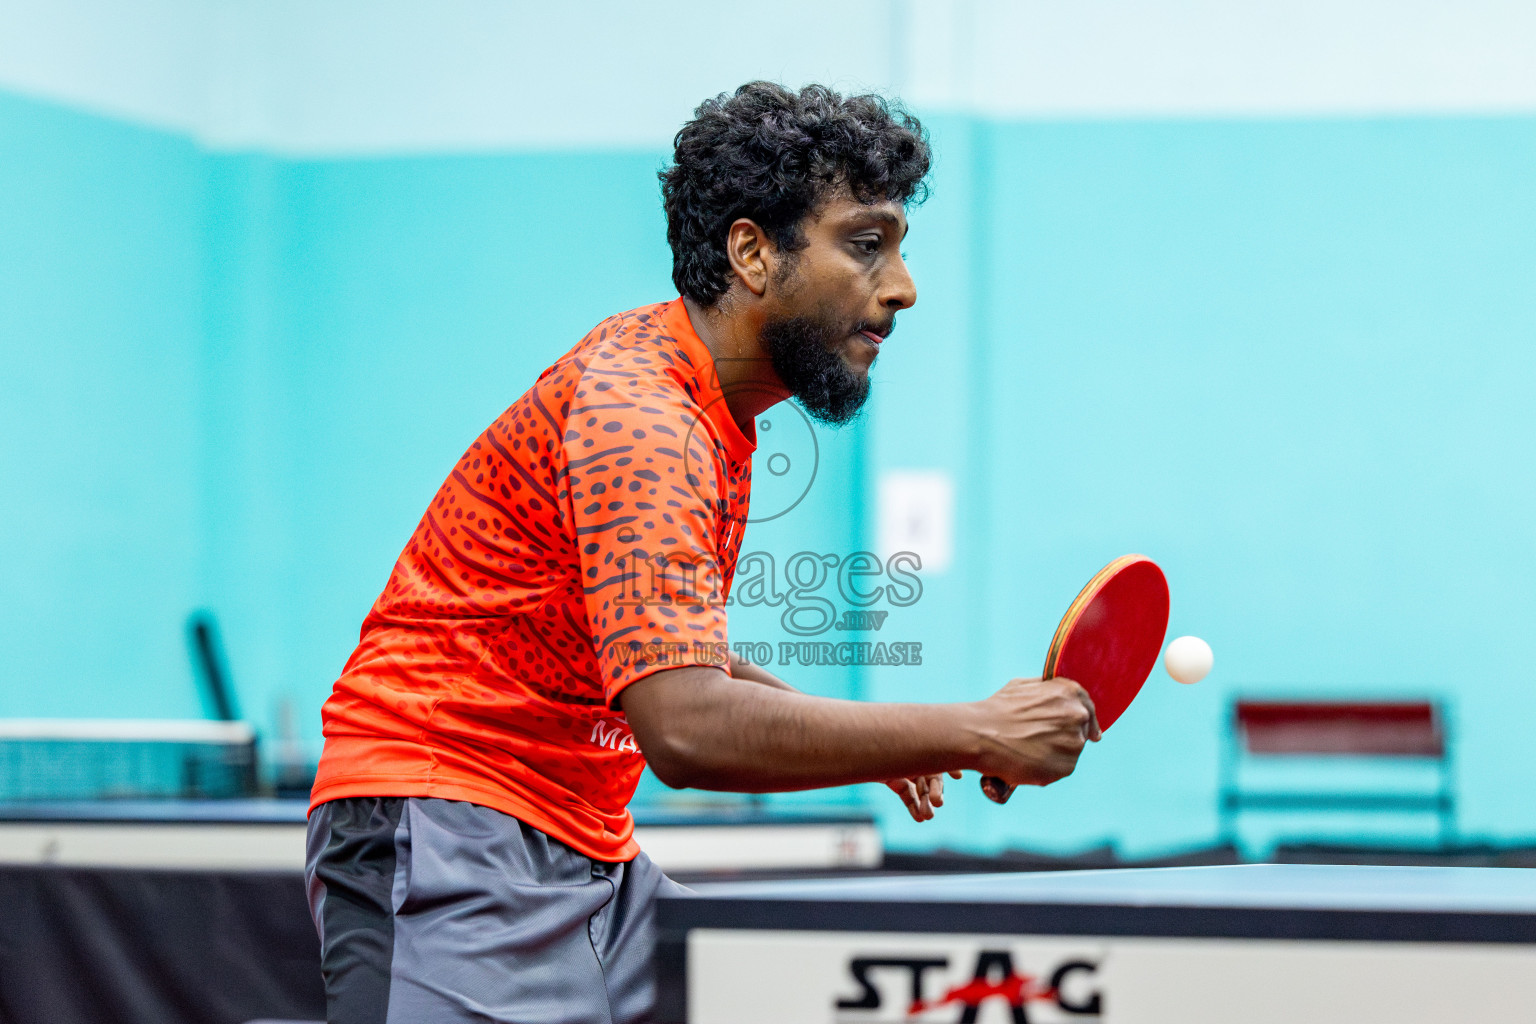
(125, 759)
(1404, 732)
(138, 759)
(209, 666)
(292, 774)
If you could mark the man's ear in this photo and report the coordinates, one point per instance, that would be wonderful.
(750, 253)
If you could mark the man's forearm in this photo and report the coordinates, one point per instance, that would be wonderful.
(700, 728)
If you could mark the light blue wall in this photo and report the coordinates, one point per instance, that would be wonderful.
(1318, 340)
(1293, 362)
(100, 240)
(1287, 359)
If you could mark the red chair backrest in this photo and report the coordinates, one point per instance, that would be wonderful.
(1366, 728)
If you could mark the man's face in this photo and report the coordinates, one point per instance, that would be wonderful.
(835, 302)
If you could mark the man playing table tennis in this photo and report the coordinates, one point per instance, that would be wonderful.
(471, 854)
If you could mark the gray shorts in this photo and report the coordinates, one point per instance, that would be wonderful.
(445, 912)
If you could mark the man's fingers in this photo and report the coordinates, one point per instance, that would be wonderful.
(1091, 730)
(921, 794)
(954, 775)
(908, 794)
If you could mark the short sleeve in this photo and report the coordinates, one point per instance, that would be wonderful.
(645, 513)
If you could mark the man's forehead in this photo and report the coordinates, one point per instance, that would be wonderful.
(843, 210)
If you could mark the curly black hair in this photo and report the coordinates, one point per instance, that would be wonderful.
(773, 154)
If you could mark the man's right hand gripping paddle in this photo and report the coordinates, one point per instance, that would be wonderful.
(1103, 651)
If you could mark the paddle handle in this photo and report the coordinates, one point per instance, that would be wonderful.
(996, 789)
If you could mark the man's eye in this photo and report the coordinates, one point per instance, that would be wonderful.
(869, 246)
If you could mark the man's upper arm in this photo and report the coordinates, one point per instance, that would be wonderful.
(645, 517)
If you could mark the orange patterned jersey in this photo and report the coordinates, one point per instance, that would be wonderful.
(586, 539)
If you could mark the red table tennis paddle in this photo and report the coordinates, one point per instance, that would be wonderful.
(1108, 641)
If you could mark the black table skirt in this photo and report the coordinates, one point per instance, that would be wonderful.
(99, 945)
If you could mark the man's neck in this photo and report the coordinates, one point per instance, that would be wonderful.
(746, 374)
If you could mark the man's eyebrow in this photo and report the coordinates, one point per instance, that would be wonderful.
(884, 217)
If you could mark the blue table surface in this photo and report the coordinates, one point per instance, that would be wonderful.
(286, 812)
(1285, 886)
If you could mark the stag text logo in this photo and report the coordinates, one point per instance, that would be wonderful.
(996, 988)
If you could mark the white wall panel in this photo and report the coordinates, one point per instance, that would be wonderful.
(343, 76)
(1196, 57)
(145, 61)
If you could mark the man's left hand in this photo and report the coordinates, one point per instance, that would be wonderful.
(921, 793)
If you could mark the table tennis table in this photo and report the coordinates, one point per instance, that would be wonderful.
(1238, 944)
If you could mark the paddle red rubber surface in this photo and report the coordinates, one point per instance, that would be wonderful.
(1110, 638)
(1108, 641)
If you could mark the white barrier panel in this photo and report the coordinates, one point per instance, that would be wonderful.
(809, 977)
(280, 847)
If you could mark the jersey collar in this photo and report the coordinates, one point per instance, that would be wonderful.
(712, 398)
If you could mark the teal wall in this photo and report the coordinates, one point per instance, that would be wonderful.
(1284, 358)
(1293, 362)
(99, 406)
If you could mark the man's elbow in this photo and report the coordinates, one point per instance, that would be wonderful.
(674, 723)
(676, 774)
(675, 761)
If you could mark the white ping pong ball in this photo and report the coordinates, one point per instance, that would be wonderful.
(1188, 659)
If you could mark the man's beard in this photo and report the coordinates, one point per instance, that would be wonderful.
(802, 352)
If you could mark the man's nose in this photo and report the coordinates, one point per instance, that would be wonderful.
(898, 291)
